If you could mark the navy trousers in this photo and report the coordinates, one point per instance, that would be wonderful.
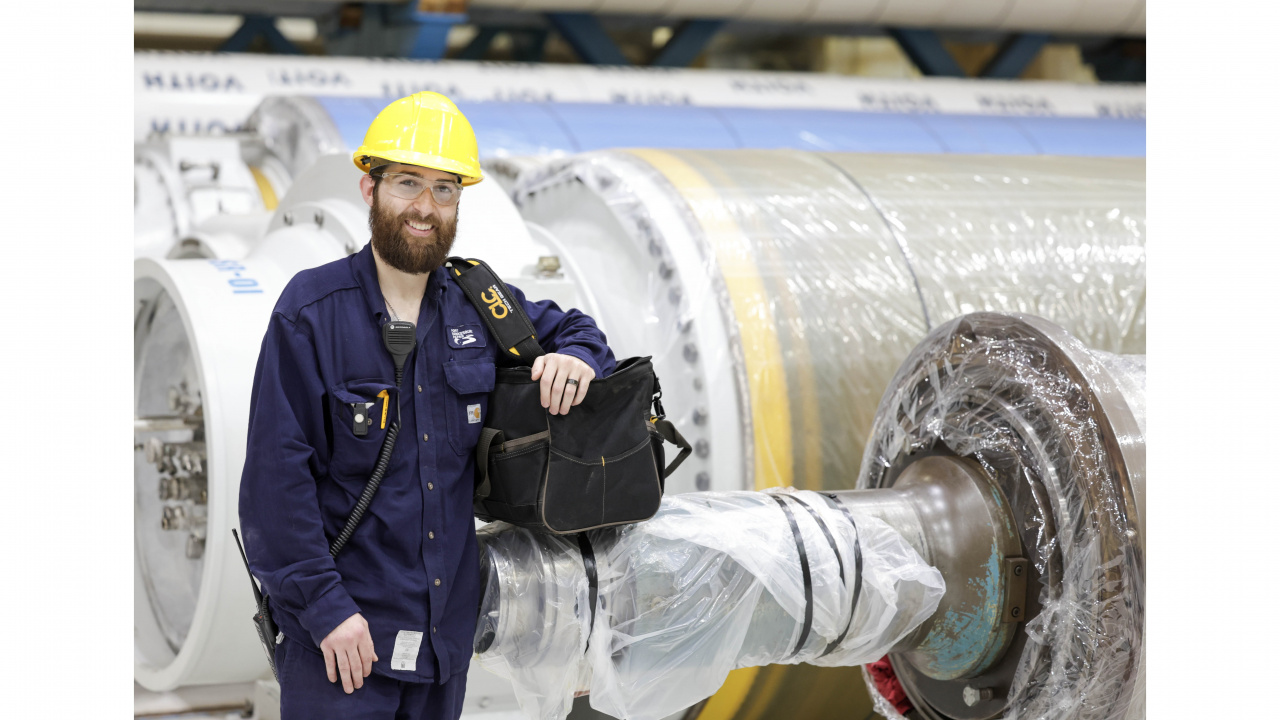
(307, 694)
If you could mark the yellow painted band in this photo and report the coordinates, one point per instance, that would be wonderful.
(268, 193)
(766, 375)
(787, 315)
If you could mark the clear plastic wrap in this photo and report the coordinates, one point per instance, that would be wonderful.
(714, 582)
(531, 628)
(1060, 428)
(825, 269)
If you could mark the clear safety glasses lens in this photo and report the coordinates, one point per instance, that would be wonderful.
(410, 187)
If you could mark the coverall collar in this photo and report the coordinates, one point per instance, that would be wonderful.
(366, 272)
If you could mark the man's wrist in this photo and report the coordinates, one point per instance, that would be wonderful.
(327, 612)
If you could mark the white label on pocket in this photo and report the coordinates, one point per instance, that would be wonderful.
(405, 654)
(473, 414)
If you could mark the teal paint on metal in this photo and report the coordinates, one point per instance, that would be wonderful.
(968, 638)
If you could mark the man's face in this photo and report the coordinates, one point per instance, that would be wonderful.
(412, 236)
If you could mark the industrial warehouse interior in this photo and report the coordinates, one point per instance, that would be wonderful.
(683, 360)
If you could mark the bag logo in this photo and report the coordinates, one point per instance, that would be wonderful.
(463, 337)
(495, 301)
(473, 414)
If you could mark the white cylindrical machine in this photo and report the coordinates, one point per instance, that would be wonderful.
(995, 549)
(777, 292)
(203, 196)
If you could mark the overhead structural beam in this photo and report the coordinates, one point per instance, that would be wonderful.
(432, 36)
(587, 37)
(687, 43)
(263, 26)
(527, 43)
(1014, 55)
(926, 52)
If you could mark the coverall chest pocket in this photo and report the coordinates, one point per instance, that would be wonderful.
(467, 402)
(361, 411)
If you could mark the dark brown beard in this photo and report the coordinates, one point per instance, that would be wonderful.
(403, 251)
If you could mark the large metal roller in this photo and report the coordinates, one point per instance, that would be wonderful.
(995, 548)
(198, 93)
(777, 292)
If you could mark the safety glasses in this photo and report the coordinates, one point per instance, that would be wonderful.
(410, 187)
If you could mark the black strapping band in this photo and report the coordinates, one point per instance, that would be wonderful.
(804, 569)
(857, 574)
(830, 539)
(593, 583)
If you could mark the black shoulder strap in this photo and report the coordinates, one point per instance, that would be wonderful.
(505, 318)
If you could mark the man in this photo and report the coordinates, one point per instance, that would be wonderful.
(385, 629)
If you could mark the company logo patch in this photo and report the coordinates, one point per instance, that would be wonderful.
(473, 414)
(466, 336)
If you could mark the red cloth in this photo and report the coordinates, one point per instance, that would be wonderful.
(886, 682)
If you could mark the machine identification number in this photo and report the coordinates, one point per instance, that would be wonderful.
(239, 284)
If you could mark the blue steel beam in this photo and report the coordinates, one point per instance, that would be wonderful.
(926, 51)
(431, 39)
(686, 43)
(1014, 55)
(587, 37)
(254, 26)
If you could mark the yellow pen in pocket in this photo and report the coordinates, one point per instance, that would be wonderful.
(385, 397)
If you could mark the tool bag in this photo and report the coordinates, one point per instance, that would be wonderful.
(601, 464)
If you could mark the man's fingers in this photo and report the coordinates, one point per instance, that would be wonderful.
(367, 658)
(357, 668)
(581, 395)
(544, 385)
(571, 392)
(557, 390)
(535, 371)
(344, 669)
(329, 667)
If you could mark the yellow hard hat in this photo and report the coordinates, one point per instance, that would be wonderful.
(424, 129)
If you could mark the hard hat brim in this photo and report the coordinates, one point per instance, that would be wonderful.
(470, 174)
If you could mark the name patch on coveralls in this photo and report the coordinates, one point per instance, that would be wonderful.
(405, 654)
(466, 336)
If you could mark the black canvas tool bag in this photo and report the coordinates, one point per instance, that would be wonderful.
(601, 464)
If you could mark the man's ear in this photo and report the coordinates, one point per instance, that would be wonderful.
(366, 188)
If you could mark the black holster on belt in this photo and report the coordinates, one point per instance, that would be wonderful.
(601, 464)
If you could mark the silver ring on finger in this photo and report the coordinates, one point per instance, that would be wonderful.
(570, 381)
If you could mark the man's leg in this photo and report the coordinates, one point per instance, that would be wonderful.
(307, 694)
(431, 701)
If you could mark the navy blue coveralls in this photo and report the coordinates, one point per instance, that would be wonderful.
(412, 564)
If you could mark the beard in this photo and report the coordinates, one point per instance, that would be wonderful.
(403, 251)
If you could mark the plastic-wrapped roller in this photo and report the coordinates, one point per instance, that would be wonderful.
(778, 290)
(995, 549)
(1060, 429)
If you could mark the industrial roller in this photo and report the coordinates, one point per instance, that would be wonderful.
(777, 291)
(197, 93)
(995, 549)
(210, 195)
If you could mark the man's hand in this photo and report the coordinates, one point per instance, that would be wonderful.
(555, 370)
(350, 648)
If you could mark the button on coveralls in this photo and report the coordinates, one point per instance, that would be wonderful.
(411, 566)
